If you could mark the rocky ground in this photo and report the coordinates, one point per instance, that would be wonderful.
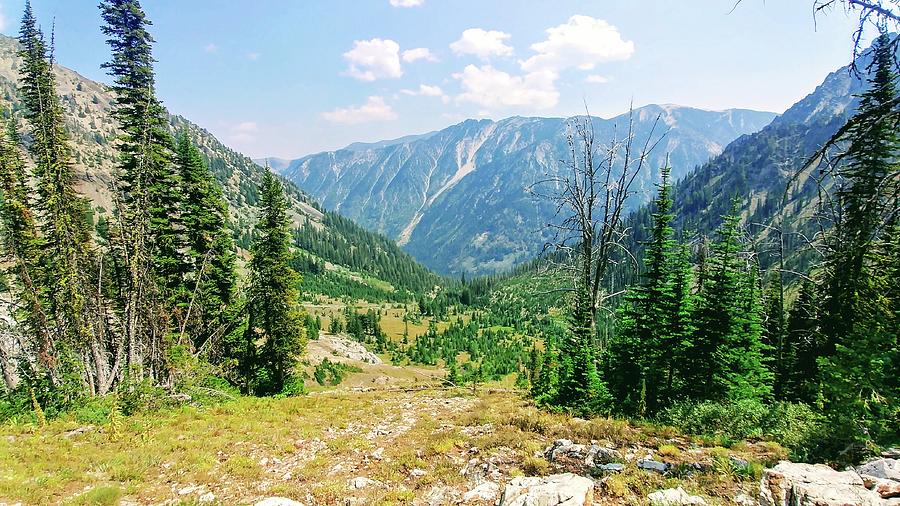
(398, 442)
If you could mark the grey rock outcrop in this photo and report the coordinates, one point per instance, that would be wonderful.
(558, 490)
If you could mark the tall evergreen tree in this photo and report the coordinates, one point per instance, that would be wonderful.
(210, 247)
(858, 328)
(800, 379)
(22, 248)
(726, 361)
(61, 210)
(275, 319)
(147, 189)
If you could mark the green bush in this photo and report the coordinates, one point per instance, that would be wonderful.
(332, 373)
(795, 426)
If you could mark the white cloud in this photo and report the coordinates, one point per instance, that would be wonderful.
(244, 131)
(374, 59)
(419, 53)
(211, 48)
(375, 109)
(492, 88)
(581, 42)
(427, 90)
(253, 56)
(406, 3)
(482, 43)
(596, 79)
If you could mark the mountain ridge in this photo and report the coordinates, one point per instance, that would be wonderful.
(455, 199)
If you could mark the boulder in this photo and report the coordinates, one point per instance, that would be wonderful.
(590, 455)
(652, 465)
(886, 469)
(791, 484)
(611, 468)
(486, 491)
(674, 497)
(278, 501)
(558, 490)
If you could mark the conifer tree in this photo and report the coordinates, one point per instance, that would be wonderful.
(210, 248)
(580, 387)
(274, 316)
(147, 189)
(858, 322)
(725, 358)
(22, 248)
(61, 210)
(801, 377)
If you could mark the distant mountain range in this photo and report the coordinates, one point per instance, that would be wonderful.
(455, 199)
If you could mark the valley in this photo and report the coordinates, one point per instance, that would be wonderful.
(672, 306)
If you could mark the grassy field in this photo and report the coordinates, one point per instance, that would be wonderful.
(414, 443)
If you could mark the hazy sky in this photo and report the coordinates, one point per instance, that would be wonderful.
(290, 77)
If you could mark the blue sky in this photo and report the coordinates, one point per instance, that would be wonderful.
(289, 77)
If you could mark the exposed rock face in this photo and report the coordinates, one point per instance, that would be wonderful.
(674, 497)
(790, 484)
(558, 490)
(487, 491)
(335, 347)
(886, 469)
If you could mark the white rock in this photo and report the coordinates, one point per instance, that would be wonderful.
(886, 469)
(278, 501)
(743, 499)
(790, 484)
(417, 473)
(557, 490)
(363, 482)
(674, 497)
(207, 497)
(487, 491)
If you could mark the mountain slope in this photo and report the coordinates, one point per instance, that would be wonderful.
(456, 200)
(88, 106)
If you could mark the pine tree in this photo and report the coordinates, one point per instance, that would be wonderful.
(210, 248)
(725, 358)
(802, 349)
(858, 324)
(581, 389)
(23, 248)
(60, 209)
(274, 315)
(642, 356)
(146, 190)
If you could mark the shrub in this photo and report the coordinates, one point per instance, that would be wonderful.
(796, 426)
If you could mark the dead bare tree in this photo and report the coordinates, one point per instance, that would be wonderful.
(590, 193)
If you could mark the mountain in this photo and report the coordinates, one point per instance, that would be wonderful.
(88, 105)
(455, 199)
(765, 171)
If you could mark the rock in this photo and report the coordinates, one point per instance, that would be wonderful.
(674, 497)
(363, 482)
(886, 469)
(790, 484)
(378, 454)
(207, 497)
(886, 488)
(738, 462)
(601, 455)
(652, 465)
(278, 501)
(891, 453)
(190, 489)
(79, 431)
(743, 499)
(558, 490)
(417, 473)
(611, 468)
(487, 491)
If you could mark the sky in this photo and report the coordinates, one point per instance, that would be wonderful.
(286, 78)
